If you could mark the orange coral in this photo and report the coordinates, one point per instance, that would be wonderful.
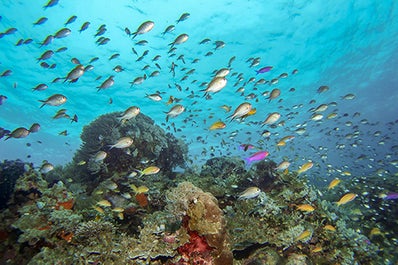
(67, 236)
(142, 199)
(68, 205)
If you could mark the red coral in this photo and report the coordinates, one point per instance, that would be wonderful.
(197, 250)
(68, 205)
(142, 199)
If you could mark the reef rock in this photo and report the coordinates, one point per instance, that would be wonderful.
(205, 224)
(151, 146)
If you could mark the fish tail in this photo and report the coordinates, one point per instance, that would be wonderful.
(44, 103)
(257, 72)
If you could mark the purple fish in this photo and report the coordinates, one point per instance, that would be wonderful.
(264, 70)
(391, 196)
(256, 157)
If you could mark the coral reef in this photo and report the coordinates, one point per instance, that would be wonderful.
(151, 146)
(204, 222)
(9, 172)
(101, 213)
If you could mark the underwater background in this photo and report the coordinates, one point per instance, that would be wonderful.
(130, 121)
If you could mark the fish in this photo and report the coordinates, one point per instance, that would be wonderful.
(51, 3)
(84, 26)
(272, 118)
(129, 113)
(20, 132)
(215, 85)
(34, 128)
(40, 21)
(346, 198)
(71, 20)
(123, 142)
(283, 165)
(107, 83)
(305, 208)
(104, 203)
(245, 147)
(75, 73)
(46, 55)
(250, 193)
(241, 111)
(169, 29)
(46, 167)
(264, 69)
(40, 87)
(329, 228)
(151, 170)
(322, 89)
(333, 183)
(174, 111)
(140, 189)
(154, 97)
(223, 72)
(62, 33)
(3, 99)
(180, 39)
(304, 235)
(143, 28)
(305, 167)
(54, 100)
(389, 196)
(183, 17)
(261, 155)
(274, 94)
(99, 156)
(217, 126)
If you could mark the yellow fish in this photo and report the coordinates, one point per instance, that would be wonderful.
(333, 183)
(104, 203)
(329, 227)
(375, 231)
(118, 210)
(332, 116)
(120, 216)
(346, 198)
(304, 235)
(281, 143)
(217, 125)
(150, 170)
(98, 209)
(140, 189)
(305, 208)
(81, 163)
(316, 249)
(305, 167)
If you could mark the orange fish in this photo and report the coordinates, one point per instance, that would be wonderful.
(305, 167)
(346, 198)
(333, 183)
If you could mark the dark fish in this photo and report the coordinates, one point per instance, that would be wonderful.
(219, 44)
(183, 17)
(47, 40)
(94, 59)
(75, 61)
(10, 31)
(40, 87)
(144, 28)
(20, 132)
(88, 68)
(204, 41)
(84, 26)
(75, 118)
(52, 66)
(6, 73)
(40, 21)
(46, 55)
(27, 41)
(2, 99)
(20, 42)
(51, 3)
(62, 33)
(44, 65)
(114, 56)
(127, 30)
(168, 29)
(71, 20)
(34, 128)
(3, 132)
(62, 49)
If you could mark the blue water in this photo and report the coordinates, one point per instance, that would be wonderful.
(349, 46)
